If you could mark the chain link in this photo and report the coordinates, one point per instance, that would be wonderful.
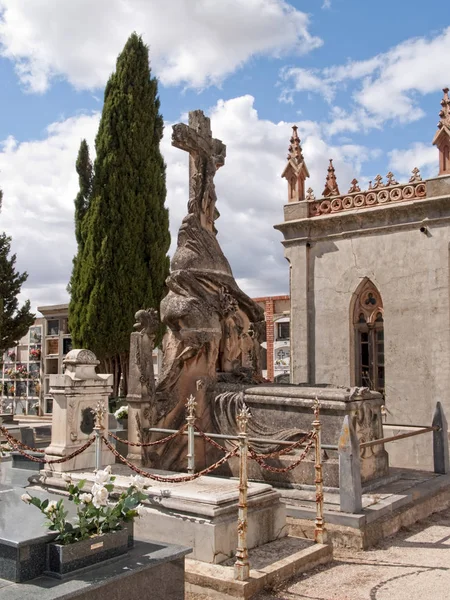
(267, 467)
(58, 460)
(159, 478)
(18, 442)
(209, 440)
(146, 444)
(286, 449)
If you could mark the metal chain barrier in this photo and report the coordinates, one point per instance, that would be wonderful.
(287, 449)
(267, 467)
(18, 442)
(55, 461)
(161, 479)
(147, 444)
(209, 440)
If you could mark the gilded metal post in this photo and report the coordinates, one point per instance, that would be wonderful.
(320, 533)
(242, 565)
(190, 408)
(100, 412)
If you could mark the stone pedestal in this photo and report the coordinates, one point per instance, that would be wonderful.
(283, 406)
(75, 396)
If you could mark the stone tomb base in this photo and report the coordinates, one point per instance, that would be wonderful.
(148, 570)
(201, 514)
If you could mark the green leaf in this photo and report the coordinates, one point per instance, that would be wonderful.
(36, 502)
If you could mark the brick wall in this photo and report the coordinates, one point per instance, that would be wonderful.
(269, 305)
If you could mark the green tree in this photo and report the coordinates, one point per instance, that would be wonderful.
(124, 237)
(14, 321)
(85, 174)
(84, 169)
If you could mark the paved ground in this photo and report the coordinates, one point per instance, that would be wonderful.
(415, 564)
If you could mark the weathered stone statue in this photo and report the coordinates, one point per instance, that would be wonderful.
(208, 317)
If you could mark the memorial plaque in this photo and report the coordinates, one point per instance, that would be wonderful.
(87, 421)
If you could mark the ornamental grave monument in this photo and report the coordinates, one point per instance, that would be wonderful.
(212, 346)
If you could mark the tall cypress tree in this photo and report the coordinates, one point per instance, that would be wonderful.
(14, 321)
(85, 173)
(84, 169)
(122, 251)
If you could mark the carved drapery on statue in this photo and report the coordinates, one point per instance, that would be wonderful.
(213, 327)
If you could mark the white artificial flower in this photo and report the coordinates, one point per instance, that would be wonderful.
(86, 498)
(103, 477)
(139, 482)
(140, 510)
(25, 498)
(121, 413)
(99, 495)
(51, 507)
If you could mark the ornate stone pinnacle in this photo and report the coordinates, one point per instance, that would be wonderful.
(100, 412)
(444, 113)
(310, 194)
(242, 418)
(390, 179)
(331, 186)
(295, 152)
(190, 406)
(355, 187)
(415, 175)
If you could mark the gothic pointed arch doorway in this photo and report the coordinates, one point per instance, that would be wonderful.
(368, 327)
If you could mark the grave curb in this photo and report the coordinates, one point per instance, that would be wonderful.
(217, 581)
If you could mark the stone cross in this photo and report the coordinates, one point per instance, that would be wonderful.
(206, 155)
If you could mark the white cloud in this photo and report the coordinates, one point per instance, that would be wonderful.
(388, 84)
(197, 43)
(423, 156)
(39, 182)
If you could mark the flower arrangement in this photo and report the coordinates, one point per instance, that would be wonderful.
(121, 413)
(12, 354)
(96, 514)
(35, 353)
(17, 372)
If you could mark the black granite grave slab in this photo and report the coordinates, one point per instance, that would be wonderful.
(149, 570)
(23, 538)
(19, 461)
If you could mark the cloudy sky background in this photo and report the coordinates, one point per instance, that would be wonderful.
(363, 84)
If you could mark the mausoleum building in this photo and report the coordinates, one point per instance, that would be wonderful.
(370, 287)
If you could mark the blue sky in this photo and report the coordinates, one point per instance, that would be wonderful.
(362, 81)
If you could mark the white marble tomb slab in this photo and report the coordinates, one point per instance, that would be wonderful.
(202, 514)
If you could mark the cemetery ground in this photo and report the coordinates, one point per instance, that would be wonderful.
(414, 564)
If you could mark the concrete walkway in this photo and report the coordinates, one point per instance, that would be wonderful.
(415, 564)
